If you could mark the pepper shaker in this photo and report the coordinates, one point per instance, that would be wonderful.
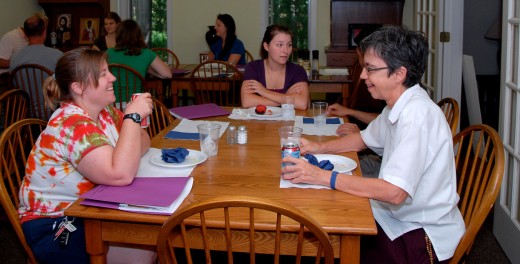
(232, 134)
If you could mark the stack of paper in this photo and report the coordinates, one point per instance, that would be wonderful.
(334, 71)
(153, 195)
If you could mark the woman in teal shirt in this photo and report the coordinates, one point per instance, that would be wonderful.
(131, 50)
(228, 47)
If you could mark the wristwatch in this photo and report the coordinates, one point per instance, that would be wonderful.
(134, 116)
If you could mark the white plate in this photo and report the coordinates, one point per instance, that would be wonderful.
(275, 111)
(341, 164)
(194, 157)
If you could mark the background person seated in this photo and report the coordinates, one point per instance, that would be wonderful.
(36, 52)
(131, 50)
(228, 47)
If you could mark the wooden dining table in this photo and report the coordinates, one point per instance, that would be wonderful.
(251, 169)
(340, 84)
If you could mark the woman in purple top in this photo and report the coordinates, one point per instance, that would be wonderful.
(268, 80)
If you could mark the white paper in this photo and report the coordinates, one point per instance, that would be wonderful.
(312, 129)
(190, 126)
(289, 184)
(242, 114)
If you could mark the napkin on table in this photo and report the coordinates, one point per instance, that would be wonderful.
(324, 164)
(175, 155)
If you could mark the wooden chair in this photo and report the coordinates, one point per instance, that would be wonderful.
(195, 221)
(30, 78)
(216, 82)
(450, 107)
(479, 159)
(159, 119)
(128, 82)
(249, 57)
(168, 56)
(14, 106)
(16, 143)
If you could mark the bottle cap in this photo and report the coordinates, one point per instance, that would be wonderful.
(315, 54)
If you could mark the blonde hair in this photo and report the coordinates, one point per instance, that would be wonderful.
(81, 65)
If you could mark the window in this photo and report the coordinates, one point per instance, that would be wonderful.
(298, 15)
(294, 15)
(151, 17)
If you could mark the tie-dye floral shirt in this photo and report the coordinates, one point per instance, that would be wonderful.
(51, 181)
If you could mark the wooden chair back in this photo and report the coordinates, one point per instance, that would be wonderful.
(30, 78)
(160, 118)
(479, 159)
(14, 106)
(450, 108)
(128, 81)
(188, 228)
(216, 82)
(168, 56)
(249, 57)
(16, 143)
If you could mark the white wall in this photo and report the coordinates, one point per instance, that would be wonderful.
(190, 22)
(14, 12)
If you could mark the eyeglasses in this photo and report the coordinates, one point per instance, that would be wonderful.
(369, 69)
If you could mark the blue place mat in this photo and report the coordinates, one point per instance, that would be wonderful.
(330, 121)
(182, 135)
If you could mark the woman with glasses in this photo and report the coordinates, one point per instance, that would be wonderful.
(414, 199)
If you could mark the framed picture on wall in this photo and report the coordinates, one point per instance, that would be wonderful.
(89, 30)
(63, 26)
(354, 31)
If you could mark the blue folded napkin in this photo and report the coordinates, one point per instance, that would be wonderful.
(182, 135)
(330, 121)
(176, 155)
(324, 164)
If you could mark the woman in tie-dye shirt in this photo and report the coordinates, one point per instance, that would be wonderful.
(86, 142)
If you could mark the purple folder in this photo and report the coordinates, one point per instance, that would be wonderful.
(180, 72)
(145, 193)
(198, 111)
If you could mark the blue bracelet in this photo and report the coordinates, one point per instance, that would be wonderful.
(333, 180)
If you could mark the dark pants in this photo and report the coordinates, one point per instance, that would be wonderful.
(408, 248)
(39, 234)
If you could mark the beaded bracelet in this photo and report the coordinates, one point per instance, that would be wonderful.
(333, 180)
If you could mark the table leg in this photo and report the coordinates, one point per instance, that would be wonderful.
(174, 86)
(349, 251)
(96, 247)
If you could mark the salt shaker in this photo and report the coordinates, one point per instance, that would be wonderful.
(242, 135)
(232, 134)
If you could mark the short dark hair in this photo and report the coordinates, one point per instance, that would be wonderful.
(34, 26)
(129, 38)
(400, 47)
(269, 34)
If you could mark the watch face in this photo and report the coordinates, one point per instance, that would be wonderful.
(134, 116)
(137, 117)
